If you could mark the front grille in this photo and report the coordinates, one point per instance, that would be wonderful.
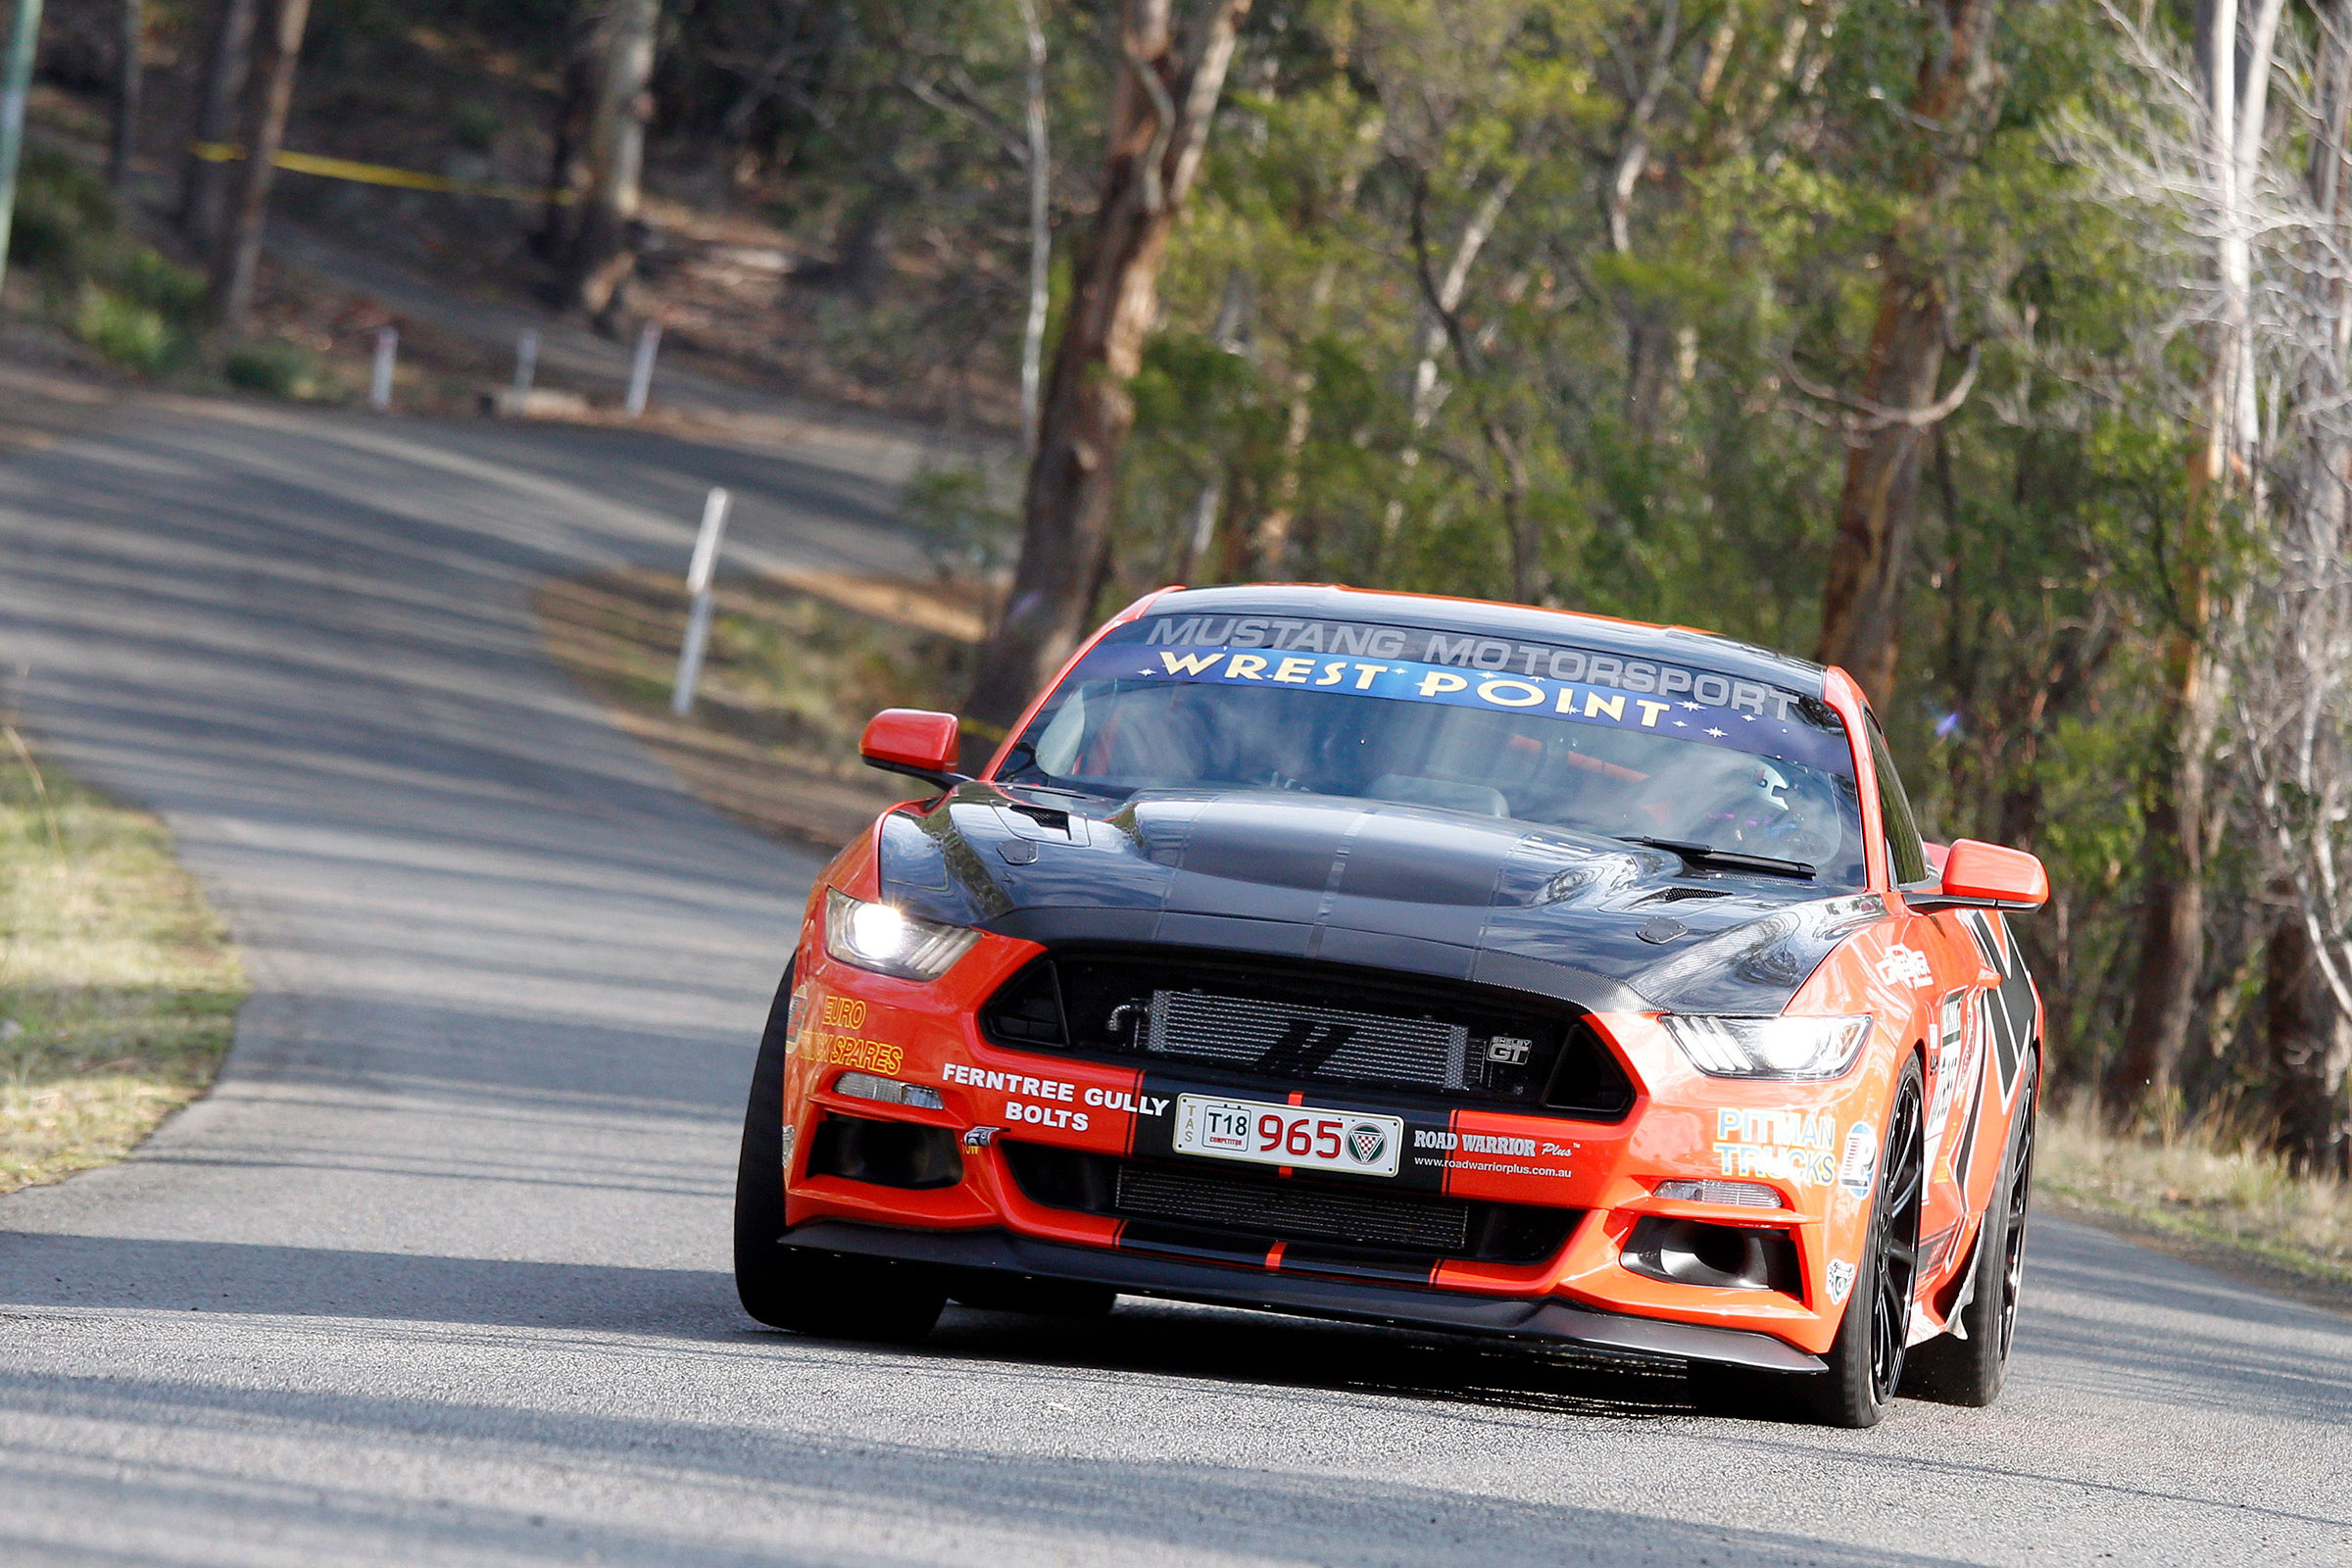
(1289, 1209)
(1304, 1023)
(1243, 1213)
(1298, 1040)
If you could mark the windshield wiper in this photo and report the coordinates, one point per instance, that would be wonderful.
(1729, 859)
(1057, 789)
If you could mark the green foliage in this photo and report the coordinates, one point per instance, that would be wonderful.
(132, 335)
(171, 290)
(273, 367)
(63, 213)
(962, 531)
(123, 299)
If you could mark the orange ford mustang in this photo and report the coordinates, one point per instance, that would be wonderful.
(1412, 961)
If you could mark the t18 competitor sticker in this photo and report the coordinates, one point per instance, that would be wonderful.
(1798, 1147)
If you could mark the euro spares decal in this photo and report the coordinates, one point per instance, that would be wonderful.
(831, 1040)
(1799, 1147)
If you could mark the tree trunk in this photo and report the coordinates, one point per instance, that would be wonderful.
(202, 181)
(1167, 92)
(1041, 225)
(1861, 611)
(2172, 940)
(240, 254)
(2307, 1052)
(130, 71)
(604, 250)
(567, 156)
(2234, 55)
(1444, 296)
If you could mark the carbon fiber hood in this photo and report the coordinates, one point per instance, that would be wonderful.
(1400, 888)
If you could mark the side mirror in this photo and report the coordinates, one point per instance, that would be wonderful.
(912, 742)
(1985, 876)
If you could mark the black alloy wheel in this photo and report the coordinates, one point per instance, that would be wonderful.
(1903, 1183)
(1967, 1365)
(1864, 1366)
(2013, 1245)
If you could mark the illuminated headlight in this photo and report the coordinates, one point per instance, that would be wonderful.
(889, 1091)
(878, 937)
(1768, 1048)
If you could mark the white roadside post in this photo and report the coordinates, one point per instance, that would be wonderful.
(526, 359)
(380, 382)
(698, 593)
(641, 369)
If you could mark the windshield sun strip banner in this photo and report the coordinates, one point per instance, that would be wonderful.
(1751, 718)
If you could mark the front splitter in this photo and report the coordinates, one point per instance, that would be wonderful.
(1217, 1285)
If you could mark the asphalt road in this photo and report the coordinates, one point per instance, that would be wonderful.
(438, 1273)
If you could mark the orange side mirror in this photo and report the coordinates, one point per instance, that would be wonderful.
(907, 739)
(1988, 876)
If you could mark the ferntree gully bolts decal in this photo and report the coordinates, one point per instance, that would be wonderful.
(1050, 1102)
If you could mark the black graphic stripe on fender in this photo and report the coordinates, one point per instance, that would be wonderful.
(2010, 1005)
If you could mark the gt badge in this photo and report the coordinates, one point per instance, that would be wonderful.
(1840, 1280)
(1367, 1143)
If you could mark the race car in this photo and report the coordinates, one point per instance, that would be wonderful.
(1421, 962)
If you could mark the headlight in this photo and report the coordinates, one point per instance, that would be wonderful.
(1768, 1048)
(877, 937)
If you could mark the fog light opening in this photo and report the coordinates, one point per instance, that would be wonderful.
(1735, 1258)
(885, 1153)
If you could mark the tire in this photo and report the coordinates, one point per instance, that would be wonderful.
(791, 1286)
(1970, 1371)
(760, 1280)
(1865, 1363)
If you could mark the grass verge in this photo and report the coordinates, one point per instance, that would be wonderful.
(793, 672)
(118, 987)
(2200, 1194)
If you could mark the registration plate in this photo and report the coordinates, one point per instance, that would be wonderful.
(1289, 1135)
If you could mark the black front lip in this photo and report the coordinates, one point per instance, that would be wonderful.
(1219, 1285)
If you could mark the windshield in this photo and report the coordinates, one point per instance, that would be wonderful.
(1536, 732)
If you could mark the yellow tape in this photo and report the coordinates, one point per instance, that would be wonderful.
(217, 152)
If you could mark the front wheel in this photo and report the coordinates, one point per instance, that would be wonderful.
(1865, 1363)
(791, 1286)
(1967, 1367)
